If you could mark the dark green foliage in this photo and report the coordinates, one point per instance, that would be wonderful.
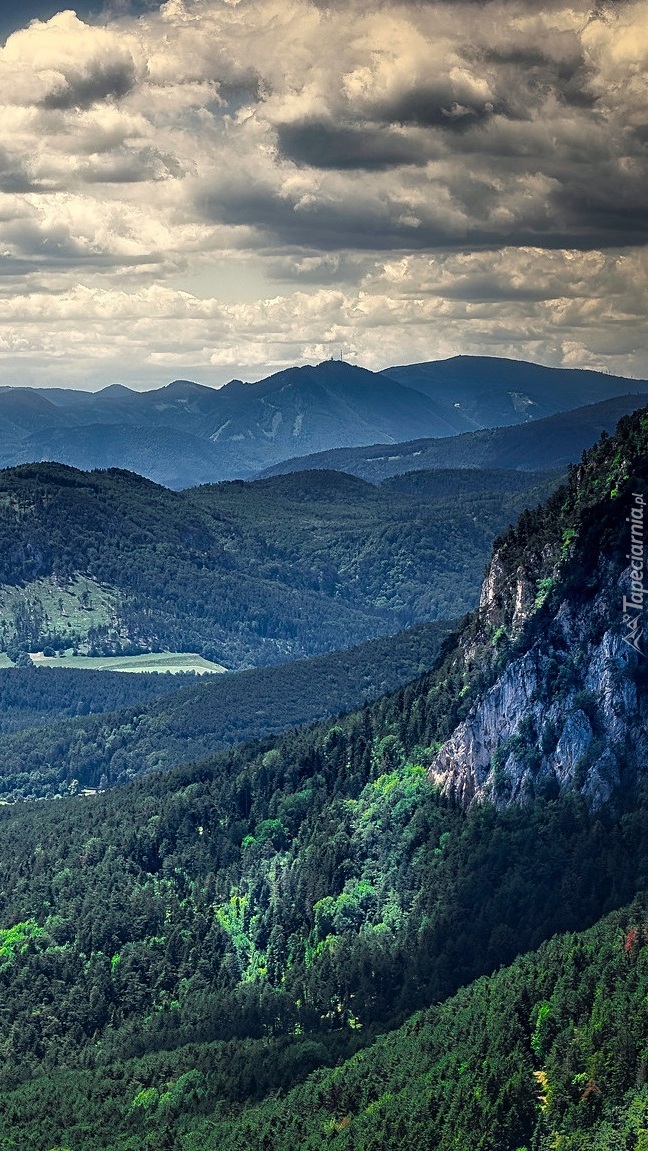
(164, 951)
(551, 1053)
(477, 484)
(101, 750)
(32, 696)
(241, 573)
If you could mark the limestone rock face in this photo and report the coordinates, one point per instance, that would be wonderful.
(565, 714)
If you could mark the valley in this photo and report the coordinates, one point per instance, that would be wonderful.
(390, 893)
(102, 746)
(109, 564)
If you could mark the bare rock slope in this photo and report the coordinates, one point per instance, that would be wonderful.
(565, 702)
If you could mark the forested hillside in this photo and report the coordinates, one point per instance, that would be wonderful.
(187, 723)
(34, 696)
(549, 1053)
(244, 574)
(177, 950)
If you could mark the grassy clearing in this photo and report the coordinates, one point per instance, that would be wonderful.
(45, 606)
(173, 661)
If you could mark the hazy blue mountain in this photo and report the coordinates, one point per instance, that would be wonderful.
(489, 391)
(185, 434)
(550, 443)
(171, 457)
(333, 401)
(23, 412)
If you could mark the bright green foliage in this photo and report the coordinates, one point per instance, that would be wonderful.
(568, 538)
(544, 587)
(15, 940)
(148, 1098)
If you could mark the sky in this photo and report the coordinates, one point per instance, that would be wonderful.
(209, 189)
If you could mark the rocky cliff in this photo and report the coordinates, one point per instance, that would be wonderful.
(567, 706)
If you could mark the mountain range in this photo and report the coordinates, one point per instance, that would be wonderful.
(379, 931)
(420, 917)
(185, 434)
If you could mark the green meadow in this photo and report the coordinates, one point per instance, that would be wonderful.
(173, 661)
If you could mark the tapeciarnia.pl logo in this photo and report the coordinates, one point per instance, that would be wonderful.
(634, 604)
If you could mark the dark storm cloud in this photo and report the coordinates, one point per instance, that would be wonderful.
(528, 74)
(318, 227)
(435, 107)
(527, 135)
(15, 269)
(13, 177)
(323, 145)
(469, 214)
(615, 212)
(246, 88)
(100, 81)
(422, 174)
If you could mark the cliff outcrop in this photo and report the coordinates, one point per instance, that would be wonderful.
(566, 705)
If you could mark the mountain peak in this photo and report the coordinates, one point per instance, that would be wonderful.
(115, 390)
(181, 386)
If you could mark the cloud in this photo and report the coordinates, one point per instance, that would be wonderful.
(326, 145)
(101, 79)
(507, 126)
(65, 63)
(409, 178)
(582, 309)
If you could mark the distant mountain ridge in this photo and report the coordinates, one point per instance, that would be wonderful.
(490, 391)
(549, 443)
(186, 434)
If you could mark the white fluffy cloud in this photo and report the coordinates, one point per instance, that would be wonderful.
(222, 187)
